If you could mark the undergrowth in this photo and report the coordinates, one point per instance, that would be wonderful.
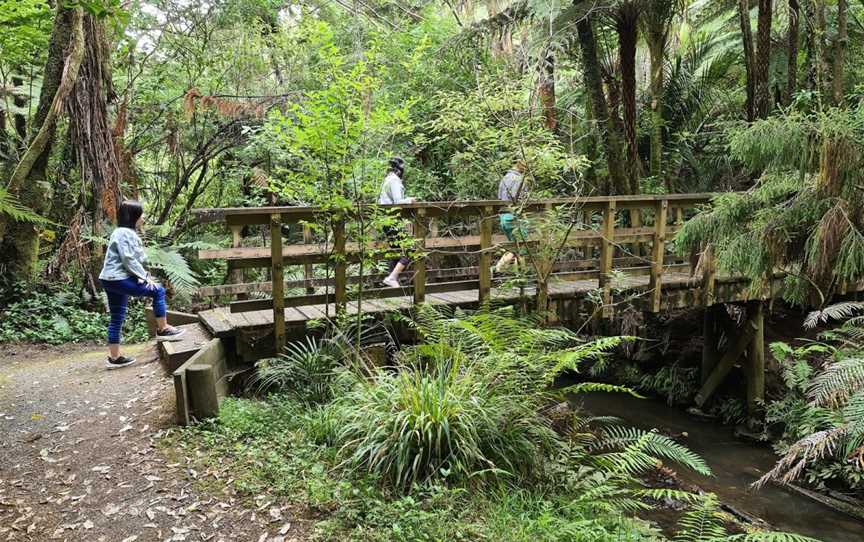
(460, 438)
(56, 316)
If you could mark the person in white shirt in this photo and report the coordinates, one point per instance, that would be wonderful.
(392, 193)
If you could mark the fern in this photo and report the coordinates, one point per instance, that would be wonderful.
(175, 267)
(837, 311)
(702, 523)
(11, 207)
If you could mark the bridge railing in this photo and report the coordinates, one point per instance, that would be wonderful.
(602, 227)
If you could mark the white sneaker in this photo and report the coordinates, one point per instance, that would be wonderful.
(391, 282)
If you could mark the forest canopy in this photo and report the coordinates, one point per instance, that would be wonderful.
(194, 103)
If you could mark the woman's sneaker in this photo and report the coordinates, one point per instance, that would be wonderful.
(391, 282)
(119, 361)
(170, 334)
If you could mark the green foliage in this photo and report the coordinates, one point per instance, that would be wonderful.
(822, 410)
(803, 217)
(53, 316)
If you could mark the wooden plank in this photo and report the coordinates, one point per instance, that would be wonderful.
(485, 272)
(340, 265)
(217, 321)
(278, 278)
(372, 293)
(658, 251)
(420, 233)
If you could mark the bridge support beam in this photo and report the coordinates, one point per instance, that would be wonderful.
(728, 361)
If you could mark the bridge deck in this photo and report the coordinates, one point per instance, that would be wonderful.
(223, 323)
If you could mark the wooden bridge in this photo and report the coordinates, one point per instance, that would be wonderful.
(605, 252)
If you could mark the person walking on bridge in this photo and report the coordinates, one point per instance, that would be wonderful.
(511, 189)
(393, 193)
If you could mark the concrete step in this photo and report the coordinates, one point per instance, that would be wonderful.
(175, 354)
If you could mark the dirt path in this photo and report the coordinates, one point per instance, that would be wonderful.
(78, 457)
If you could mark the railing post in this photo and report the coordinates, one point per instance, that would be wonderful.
(485, 255)
(277, 276)
(236, 242)
(607, 249)
(658, 253)
(709, 275)
(307, 268)
(340, 267)
(420, 232)
(636, 222)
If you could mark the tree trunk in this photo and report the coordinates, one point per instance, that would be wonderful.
(594, 83)
(840, 50)
(90, 126)
(792, 42)
(749, 57)
(626, 25)
(19, 242)
(546, 90)
(819, 29)
(657, 49)
(763, 59)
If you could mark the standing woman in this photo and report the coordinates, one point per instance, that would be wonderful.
(511, 189)
(122, 275)
(393, 192)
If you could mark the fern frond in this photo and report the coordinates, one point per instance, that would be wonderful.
(175, 266)
(837, 382)
(837, 311)
(11, 207)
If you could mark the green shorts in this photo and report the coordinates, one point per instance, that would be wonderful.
(509, 225)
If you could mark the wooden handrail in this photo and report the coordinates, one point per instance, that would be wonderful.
(294, 214)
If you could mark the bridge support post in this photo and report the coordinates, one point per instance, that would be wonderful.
(237, 275)
(607, 250)
(341, 266)
(420, 229)
(726, 362)
(756, 363)
(710, 355)
(485, 255)
(658, 253)
(307, 268)
(277, 275)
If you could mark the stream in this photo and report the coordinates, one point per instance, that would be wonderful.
(735, 463)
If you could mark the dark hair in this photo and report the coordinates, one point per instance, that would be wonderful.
(129, 213)
(397, 165)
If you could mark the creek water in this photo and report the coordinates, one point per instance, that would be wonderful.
(735, 464)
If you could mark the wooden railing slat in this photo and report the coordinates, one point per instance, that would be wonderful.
(657, 253)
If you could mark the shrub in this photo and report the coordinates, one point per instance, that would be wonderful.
(57, 317)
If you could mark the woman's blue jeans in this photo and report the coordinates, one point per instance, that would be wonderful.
(118, 292)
